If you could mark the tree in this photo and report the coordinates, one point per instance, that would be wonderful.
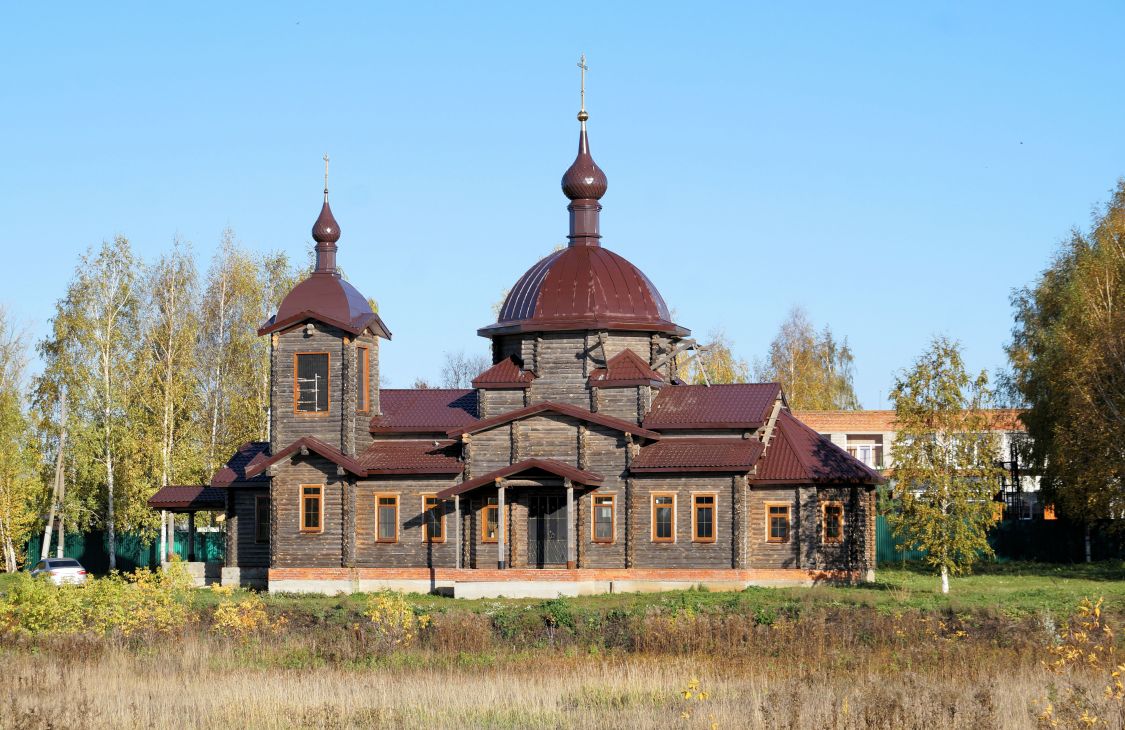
(945, 460)
(1068, 366)
(814, 370)
(714, 363)
(20, 486)
(460, 369)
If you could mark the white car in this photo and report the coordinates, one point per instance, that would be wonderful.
(60, 570)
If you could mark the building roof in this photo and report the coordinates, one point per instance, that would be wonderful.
(426, 410)
(527, 467)
(798, 455)
(234, 471)
(506, 374)
(411, 457)
(624, 369)
(564, 409)
(326, 298)
(189, 499)
(741, 405)
(883, 421)
(306, 444)
(698, 455)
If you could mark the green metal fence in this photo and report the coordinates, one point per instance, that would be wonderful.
(133, 551)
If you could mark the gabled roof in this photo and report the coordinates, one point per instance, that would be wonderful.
(309, 443)
(506, 374)
(411, 457)
(735, 455)
(624, 369)
(189, 499)
(740, 405)
(883, 421)
(425, 410)
(234, 471)
(799, 455)
(561, 408)
(551, 466)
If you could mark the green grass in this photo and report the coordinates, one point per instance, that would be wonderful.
(1011, 589)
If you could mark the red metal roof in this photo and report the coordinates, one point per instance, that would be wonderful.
(508, 373)
(624, 369)
(797, 455)
(551, 466)
(583, 287)
(561, 408)
(741, 405)
(698, 454)
(234, 471)
(326, 297)
(411, 457)
(189, 499)
(308, 443)
(427, 410)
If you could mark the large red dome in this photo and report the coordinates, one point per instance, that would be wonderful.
(583, 287)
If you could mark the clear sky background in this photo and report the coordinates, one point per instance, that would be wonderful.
(896, 170)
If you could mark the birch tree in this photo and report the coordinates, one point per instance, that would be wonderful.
(815, 371)
(20, 487)
(716, 363)
(945, 461)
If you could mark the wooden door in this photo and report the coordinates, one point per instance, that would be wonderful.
(546, 530)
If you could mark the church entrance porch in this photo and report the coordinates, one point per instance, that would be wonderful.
(546, 530)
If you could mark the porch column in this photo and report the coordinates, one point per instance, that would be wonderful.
(571, 543)
(163, 536)
(191, 537)
(457, 528)
(501, 527)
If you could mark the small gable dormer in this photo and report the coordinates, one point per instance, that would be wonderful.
(324, 355)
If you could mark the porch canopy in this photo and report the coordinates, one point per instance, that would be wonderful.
(187, 500)
(530, 470)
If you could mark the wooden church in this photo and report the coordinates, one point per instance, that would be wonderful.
(577, 463)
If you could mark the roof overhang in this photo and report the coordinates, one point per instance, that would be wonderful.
(193, 498)
(581, 325)
(304, 446)
(551, 466)
(371, 321)
(563, 409)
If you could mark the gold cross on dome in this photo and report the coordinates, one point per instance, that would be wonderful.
(582, 65)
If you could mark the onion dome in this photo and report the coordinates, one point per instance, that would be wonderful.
(324, 296)
(584, 180)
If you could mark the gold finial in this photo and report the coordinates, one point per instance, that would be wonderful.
(582, 115)
(326, 176)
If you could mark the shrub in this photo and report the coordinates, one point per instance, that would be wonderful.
(394, 624)
(244, 618)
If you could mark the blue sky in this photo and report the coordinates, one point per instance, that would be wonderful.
(894, 169)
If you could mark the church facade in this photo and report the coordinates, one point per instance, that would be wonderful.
(576, 463)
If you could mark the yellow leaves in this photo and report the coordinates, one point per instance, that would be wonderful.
(393, 620)
(244, 618)
(693, 692)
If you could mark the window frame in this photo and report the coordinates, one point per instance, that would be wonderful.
(612, 519)
(440, 504)
(714, 507)
(363, 372)
(652, 517)
(297, 386)
(491, 504)
(788, 523)
(839, 539)
(378, 508)
(259, 538)
(319, 507)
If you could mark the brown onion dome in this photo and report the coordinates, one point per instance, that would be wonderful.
(584, 180)
(326, 229)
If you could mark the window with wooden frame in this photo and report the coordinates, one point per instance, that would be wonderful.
(312, 508)
(605, 517)
(663, 518)
(777, 522)
(433, 519)
(832, 515)
(261, 518)
(490, 520)
(311, 383)
(363, 378)
(386, 518)
(703, 517)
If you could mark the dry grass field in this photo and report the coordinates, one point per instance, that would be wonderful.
(811, 658)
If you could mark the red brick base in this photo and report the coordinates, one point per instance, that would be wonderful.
(470, 575)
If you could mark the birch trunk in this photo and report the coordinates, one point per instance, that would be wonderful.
(56, 488)
(944, 579)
